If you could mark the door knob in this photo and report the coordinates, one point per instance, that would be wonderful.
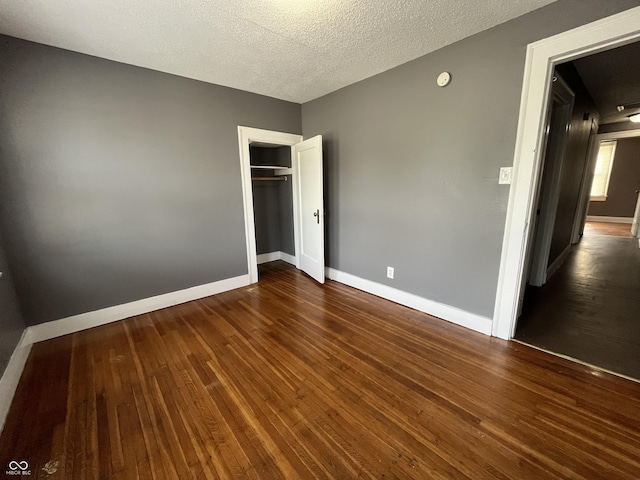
(317, 215)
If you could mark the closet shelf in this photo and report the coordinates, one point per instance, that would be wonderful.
(270, 167)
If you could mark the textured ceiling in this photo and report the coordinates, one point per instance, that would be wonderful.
(613, 78)
(295, 50)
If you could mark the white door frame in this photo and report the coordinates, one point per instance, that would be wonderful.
(246, 135)
(541, 58)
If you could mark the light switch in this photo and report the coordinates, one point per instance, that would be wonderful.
(505, 175)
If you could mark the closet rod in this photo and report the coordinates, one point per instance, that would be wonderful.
(277, 179)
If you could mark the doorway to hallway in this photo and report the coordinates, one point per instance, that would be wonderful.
(589, 309)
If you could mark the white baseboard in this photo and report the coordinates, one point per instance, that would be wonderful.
(83, 321)
(446, 312)
(596, 218)
(273, 256)
(12, 374)
(285, 257)
(268, 257)
(557, 263)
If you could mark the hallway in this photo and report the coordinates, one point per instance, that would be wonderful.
(590, 309)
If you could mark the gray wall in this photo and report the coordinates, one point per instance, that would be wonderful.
(266, 208)
(11, 323)
(285, 200)
(574, 162)
(273, 203)
(118, 183)
(273, 216)
(412, 169)
(624, 181)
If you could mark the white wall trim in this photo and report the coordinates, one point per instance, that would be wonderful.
(246, 135)
(285, 257)
(541, 58)
(268, 257)
(11, 376)
(273, 256)
(598, 218)
(557, 263)
(83, 321)
(440, 310)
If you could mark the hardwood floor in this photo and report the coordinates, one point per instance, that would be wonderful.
(288, 379)
(589, 309)
(606, 228)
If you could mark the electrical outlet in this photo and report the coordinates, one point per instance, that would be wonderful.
(390, 272)
(505, 175)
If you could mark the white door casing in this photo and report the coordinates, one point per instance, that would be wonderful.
(541, 58)
(307, 157)
(307, 154)
(247, 135)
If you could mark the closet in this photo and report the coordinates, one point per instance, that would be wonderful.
(272, 188)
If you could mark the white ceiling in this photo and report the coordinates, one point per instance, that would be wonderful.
(295, 50)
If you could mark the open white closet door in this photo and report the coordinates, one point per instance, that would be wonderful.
(307, 156)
